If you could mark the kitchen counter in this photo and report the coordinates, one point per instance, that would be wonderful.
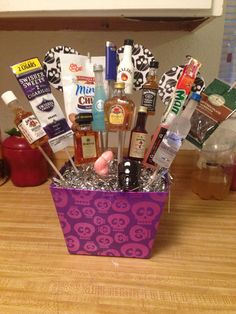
(192, 268)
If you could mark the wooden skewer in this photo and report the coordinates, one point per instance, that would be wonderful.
(51, 163)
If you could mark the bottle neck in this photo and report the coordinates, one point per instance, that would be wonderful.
(152, 74)
(119, 92)
(98, 79)
(127, 56)
(16, 107)
(141, 120)
(190, 108)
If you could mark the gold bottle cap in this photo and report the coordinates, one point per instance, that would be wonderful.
(142, 109)
(119, 85)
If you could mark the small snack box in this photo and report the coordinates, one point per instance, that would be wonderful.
(108, 223)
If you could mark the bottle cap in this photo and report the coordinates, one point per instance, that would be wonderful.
(195, 96)
(8, 97)
(128, 42)
(97, 68)
(84, 118)
(154, 64)
(142, 109)
(119, 85)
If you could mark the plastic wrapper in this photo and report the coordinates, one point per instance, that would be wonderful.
(87, 179)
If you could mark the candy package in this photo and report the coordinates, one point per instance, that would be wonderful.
(78, 82)
(217, 104)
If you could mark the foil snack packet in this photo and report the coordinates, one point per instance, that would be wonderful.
(35, 85)
(218, 103)
(78, 81)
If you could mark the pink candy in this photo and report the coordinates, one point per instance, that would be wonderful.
(101, 165)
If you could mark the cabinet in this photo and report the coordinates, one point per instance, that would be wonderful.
(108, 14)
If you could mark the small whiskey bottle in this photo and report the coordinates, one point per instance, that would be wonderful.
(86, 140)
(119, 110)
(25, 121)
(138, 136)
(150, 88)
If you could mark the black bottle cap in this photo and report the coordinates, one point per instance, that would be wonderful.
(154, 64)
(84, 118)
(128, 42)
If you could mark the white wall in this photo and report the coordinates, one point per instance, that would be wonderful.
(169, 48)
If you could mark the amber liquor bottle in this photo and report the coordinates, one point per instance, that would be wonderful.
(25, 121)
(138, 136)
(150, 88)
(119, 110)
(86, 141)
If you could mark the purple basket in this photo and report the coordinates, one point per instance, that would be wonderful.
(108, 223)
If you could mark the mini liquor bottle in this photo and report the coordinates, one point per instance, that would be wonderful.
(138, 136)
(25, 121)
(125, 71)
(119, 110)
(150, 88)
(85, 139)
(99, 99)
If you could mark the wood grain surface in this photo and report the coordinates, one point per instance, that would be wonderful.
(192, 269)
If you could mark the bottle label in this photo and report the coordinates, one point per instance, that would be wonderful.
(31, 129)
(137, 145)
(168, 149)
(99, 105)
(88, 146)
(156, 141)
(149, 97)
(117, 115)
(125, 75)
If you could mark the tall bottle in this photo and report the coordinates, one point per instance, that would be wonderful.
(177, 132)
(125, 71)
(98, 123)
(25, 121)
(86, 143)
(119, 110)
(150, 88)
(138, 136)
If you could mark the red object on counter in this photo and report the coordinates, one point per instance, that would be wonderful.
(27, 166)
(233, 182)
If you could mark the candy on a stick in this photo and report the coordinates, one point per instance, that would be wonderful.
(101, 165)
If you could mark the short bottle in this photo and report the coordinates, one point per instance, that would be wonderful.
(138, 136)
(98, 123)
(175, 135)
(119, 110)
(25, 121)
(125, 71)
(86, 142)
(212, 175)
(150, 88)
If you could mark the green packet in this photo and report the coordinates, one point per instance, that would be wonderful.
(218, 103)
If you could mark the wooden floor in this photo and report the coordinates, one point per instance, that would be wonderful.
(192, 270)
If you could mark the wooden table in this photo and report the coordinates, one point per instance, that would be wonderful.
(193, 267)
